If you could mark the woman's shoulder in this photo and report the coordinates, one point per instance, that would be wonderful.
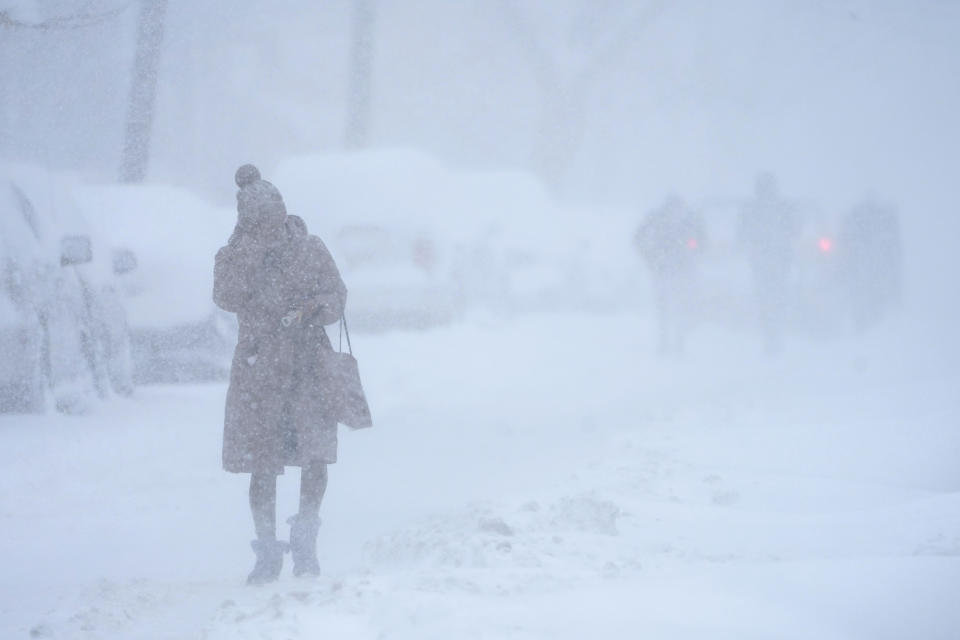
(310, 243)
(314, 243)
(296, 226)
(314, 249)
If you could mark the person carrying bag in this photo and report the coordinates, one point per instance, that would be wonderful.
(288, 387)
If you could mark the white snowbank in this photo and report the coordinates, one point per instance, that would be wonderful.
(542, 478)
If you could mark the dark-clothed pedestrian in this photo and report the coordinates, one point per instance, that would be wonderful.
(670, 240)
(768, 231)
(284, 287)
(870, 260)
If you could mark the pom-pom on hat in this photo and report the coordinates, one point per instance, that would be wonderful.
(246, 174)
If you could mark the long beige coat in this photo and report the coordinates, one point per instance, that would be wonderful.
(278, 411)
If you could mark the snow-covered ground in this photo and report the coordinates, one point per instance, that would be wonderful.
(535, 477)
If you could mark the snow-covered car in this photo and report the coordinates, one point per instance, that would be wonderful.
(419, 243)
(393, 277)
(63, 330)
(380, 221)
(166, 239)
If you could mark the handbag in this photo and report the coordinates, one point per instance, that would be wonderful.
(350, 402)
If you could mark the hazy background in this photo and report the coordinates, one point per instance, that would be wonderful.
(609, 102)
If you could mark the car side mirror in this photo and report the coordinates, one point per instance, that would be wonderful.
(75, 250)
(124, 261)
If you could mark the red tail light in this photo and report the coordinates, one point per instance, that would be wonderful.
(825, 244)
(692, 243)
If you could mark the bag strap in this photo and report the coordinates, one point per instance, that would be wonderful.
(345, 329)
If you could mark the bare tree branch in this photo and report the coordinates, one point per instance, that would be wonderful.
(143, 91)
(544, 67)
(621, 40)
(63, 23)
(564, 97)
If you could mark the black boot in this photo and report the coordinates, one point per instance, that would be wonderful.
(269, 561)
(303, 545)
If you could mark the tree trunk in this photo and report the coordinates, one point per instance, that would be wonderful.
(143, 91)
(360, 75)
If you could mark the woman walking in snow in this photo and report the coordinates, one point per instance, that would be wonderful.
(284, 287)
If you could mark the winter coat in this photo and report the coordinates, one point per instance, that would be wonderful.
(768, 230)
(278, 410)
(670, 240)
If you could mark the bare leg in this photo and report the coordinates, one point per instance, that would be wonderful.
(663, 317)
(313, 484)
(304, 525)
(263, 505)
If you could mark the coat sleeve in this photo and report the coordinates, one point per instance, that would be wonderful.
(230, 287)
(329, 283)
